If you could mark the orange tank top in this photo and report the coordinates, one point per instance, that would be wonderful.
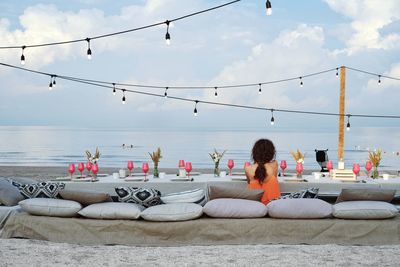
(270, 187)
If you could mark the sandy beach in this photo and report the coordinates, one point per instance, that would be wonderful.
(16, 252)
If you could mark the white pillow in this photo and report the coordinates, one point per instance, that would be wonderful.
(193, 196)
(112, 210)
(235, 208)
(364, 210)
(299, 208)
(50, 207)
(172, 212)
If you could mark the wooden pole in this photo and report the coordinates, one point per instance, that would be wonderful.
(341, 111)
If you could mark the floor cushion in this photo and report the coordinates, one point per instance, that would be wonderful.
(9, 194)
(112, 210)
(173, 212)
(299, 208)
(192, 196)
(235, 208)
(372, 194)
(224, 191)
(85, 197)
(145, 197)
(41, 190)
(364, 210)
(50, 207)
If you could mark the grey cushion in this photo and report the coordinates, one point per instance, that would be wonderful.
(226, 191)
(364, 210)
(235, 208)
(299, 208)
(372, 194)
(50, 207)
(85, 197)
(173, 212)
(112, 210)
(9, 194)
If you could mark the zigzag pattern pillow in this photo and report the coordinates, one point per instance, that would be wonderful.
(306, 193)
(196, 196)
(146, 197)
(41, 190)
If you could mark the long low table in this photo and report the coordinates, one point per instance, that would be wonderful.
(170, 184)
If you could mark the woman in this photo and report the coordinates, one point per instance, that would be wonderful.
(263, 173)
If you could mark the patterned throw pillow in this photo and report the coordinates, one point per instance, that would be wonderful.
(41, 190)
(146, 197)
(196, 196)
(306, 193)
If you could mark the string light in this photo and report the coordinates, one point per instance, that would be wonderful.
(216, 93)
(272, 117)
(379, 79)
(114, 90)
(301, 81)
(337, 72)
(123, 96)
(165, 93)
(51, 83)
(195, 108)
(167, 35)
(259, 89)
(348, 123)
(269, 8)
(23, 56)
(89, 51)
(54, 80)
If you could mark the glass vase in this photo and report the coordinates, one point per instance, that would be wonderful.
(375, 173)
(155, 171)
(216, 169)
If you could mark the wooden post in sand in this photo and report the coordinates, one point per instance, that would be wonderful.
(341, 111)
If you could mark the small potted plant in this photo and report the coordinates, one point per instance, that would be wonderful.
(155, 157)
(375, 157)
(216, 157)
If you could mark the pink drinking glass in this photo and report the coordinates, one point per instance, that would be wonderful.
(368, 167)
(356, 169)
(329, 165)
(71, 169)
(181, 163)
(145, 169)
(130, 167)
(95, 170)
(88, 167)
(188, 168)
(81, 168)
(299, 168)
(283, 166)
(231, 164)
(247, 164)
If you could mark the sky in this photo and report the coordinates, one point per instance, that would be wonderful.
(233, 45)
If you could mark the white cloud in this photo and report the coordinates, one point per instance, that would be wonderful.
(368, 18)
(388, 85)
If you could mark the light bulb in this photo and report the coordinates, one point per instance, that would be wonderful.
(301, 82)
(269, 8)
(272, 117)
(165, 93)
(50, 86)
(379, 80)
(23, 56)
(195, 109)
(348, 126)
(337, 72)
(259, 89)
(167, 35)
(89, 51)
(216, 93)
(123, 97)
(114, 91)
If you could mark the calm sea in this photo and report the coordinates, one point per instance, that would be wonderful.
(58, 146)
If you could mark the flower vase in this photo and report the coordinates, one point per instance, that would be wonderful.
(299, 169)
(216, 169)
(155, 171)
(375, 173)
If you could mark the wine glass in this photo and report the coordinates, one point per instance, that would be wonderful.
(130, 167)
(145, 169)
(356, 169)
(368, 167)
(283, 166)
(246, 164)
(71, 169)
(299, 169)
(88, 167)
(329, 166)
(188, 168)
(95, 169)
(181, 163)
(81, 168)
(231, 164)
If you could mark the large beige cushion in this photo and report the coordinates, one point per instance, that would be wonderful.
(112, 210)
(9, 194)
(373, 194)
(299, 208)
(173, 212)
(364, 210)
(226, 191)
(235, 208)
(85, 197)
(50, 207)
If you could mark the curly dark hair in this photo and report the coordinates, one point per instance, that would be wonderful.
(263, 152)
